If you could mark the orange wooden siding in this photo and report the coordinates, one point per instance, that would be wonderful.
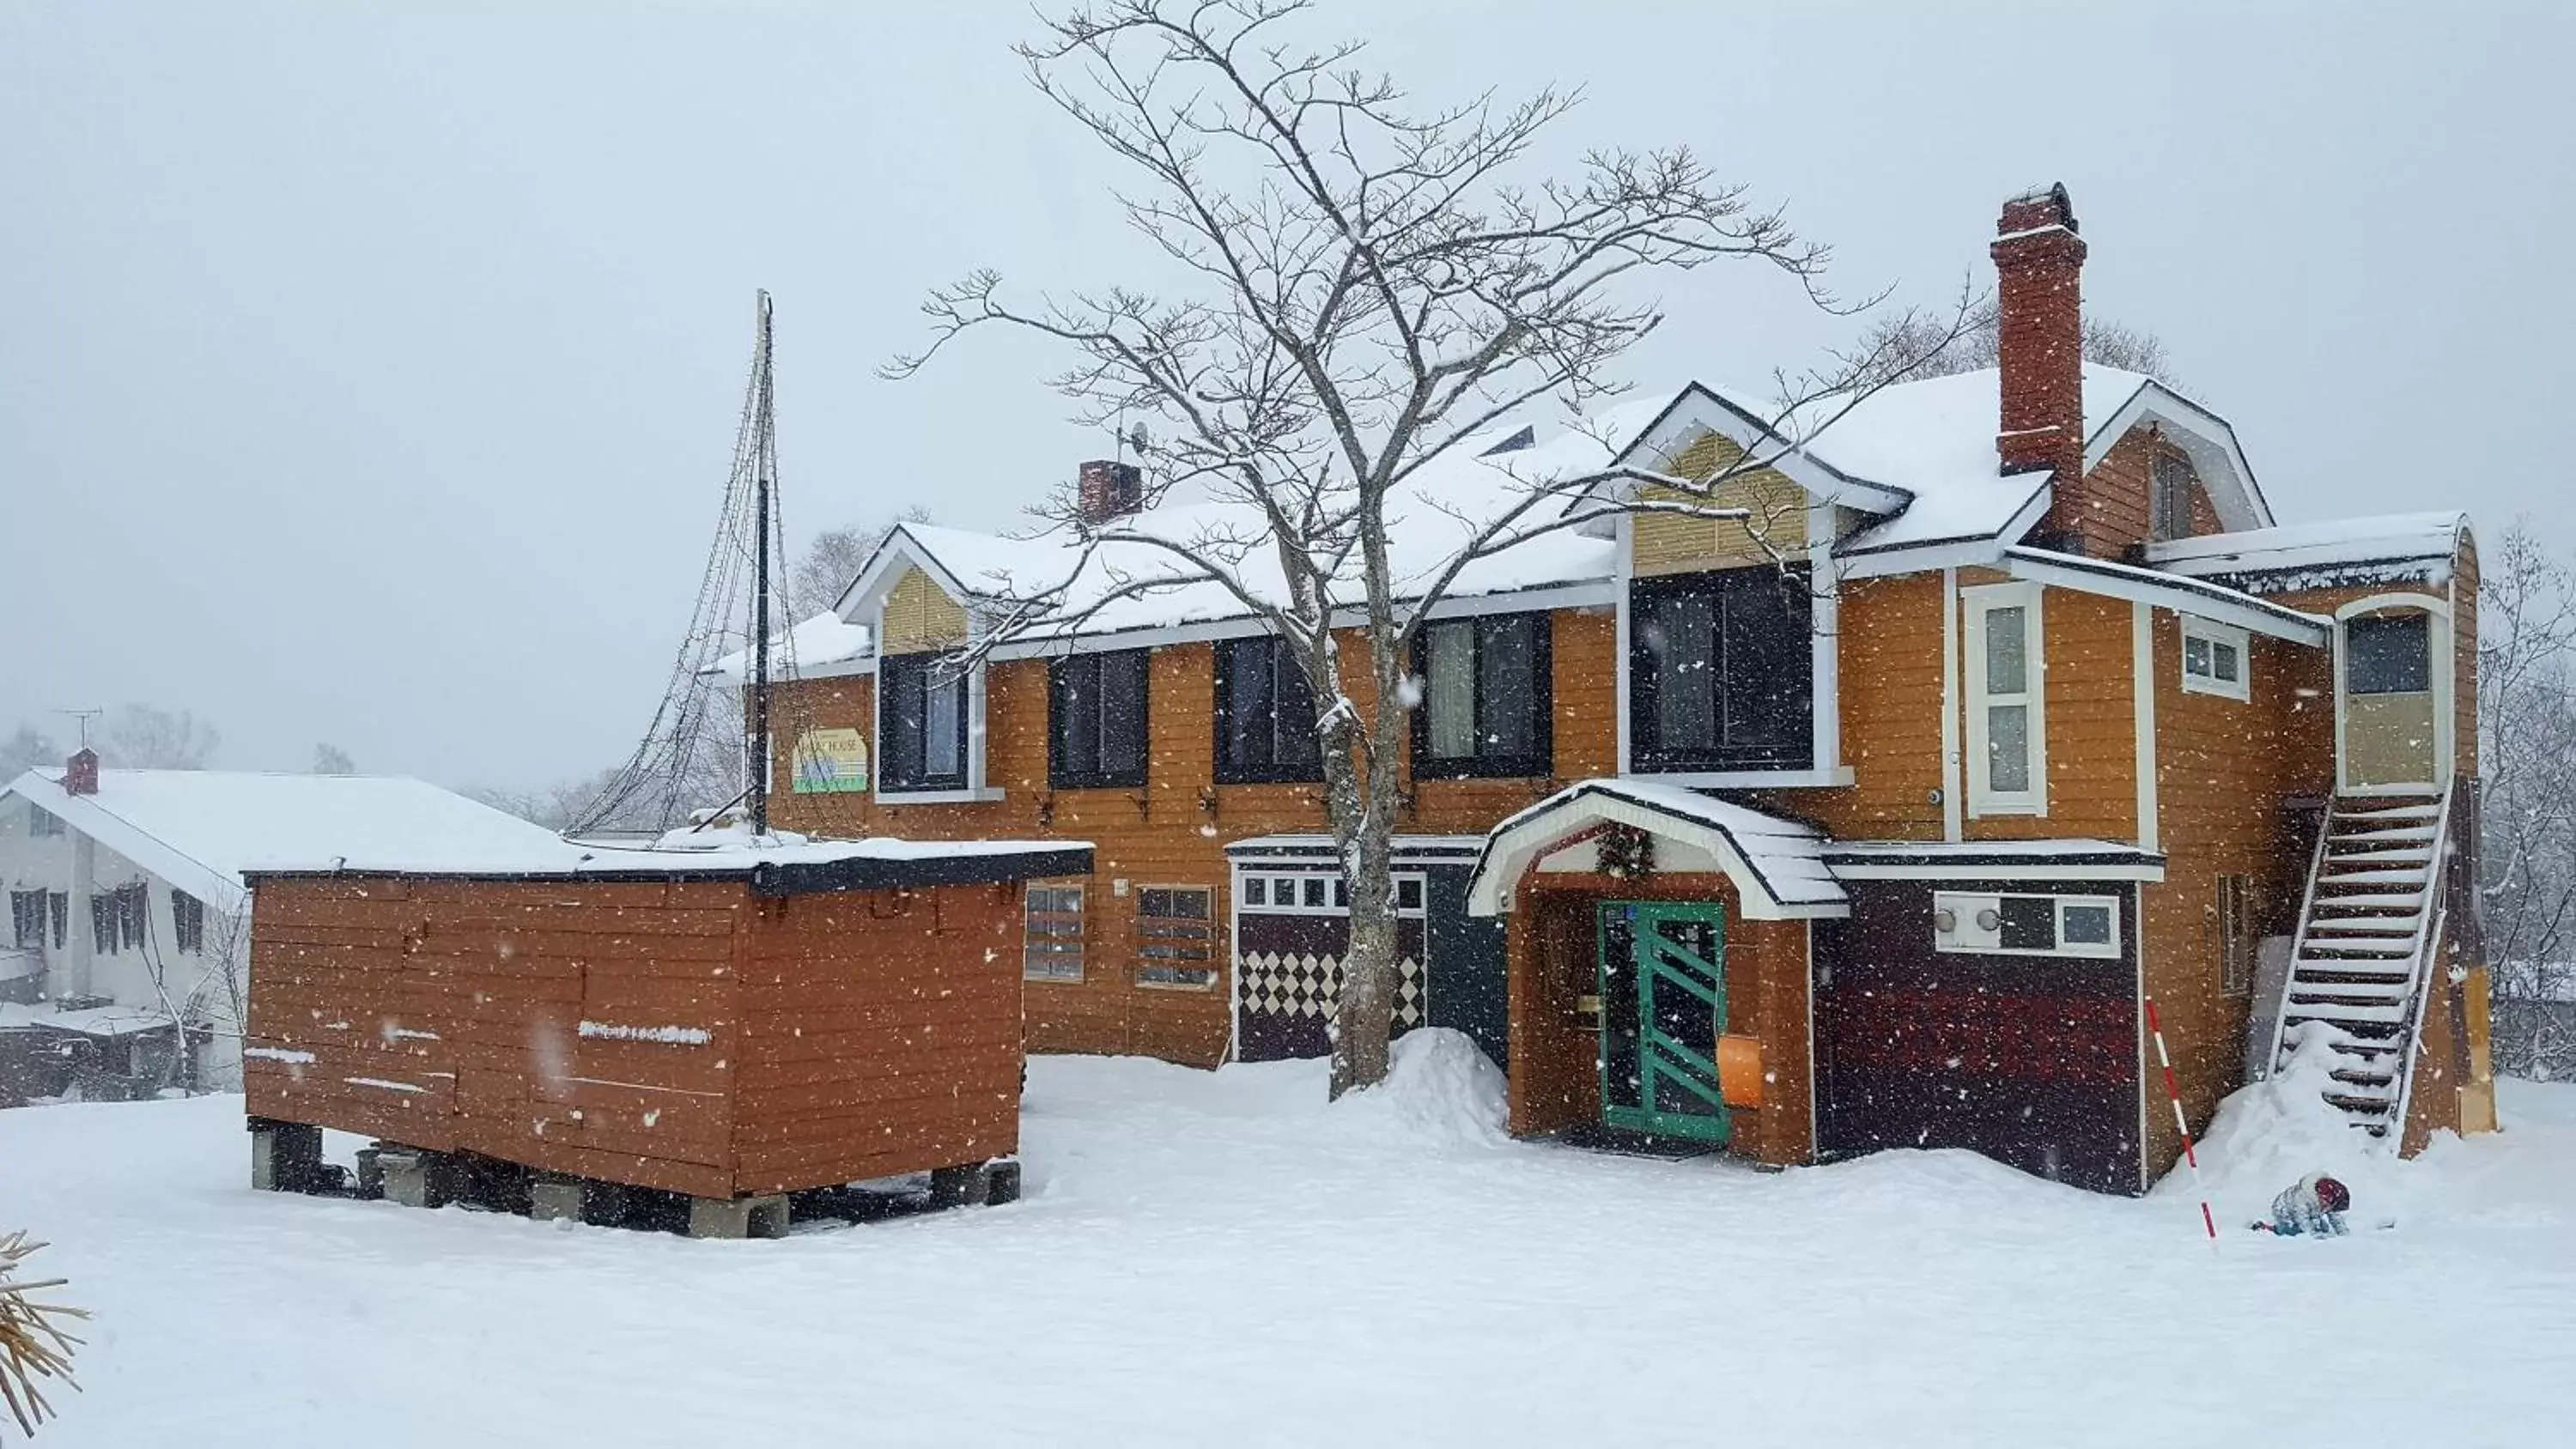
(845, 1037)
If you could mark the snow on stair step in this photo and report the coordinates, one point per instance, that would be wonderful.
(2403, 926)
(2321, 993)
(2400, 855)
(2367, 1015)
(2392, 835)
(2391, 812)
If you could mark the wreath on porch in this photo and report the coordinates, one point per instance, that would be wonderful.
(1627, 852)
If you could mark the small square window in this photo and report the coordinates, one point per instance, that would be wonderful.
(2084, 923)
(1313, 888)
(1408, 893)
(1341, 894)
(1256, 890)
(2214, 659)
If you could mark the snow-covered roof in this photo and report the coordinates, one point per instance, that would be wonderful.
(1956, 860)
(1778, 865)
(203, 830)
(1916, 459)
(2320, 555)
(778, 864)
(101, 1021)
(827, 638)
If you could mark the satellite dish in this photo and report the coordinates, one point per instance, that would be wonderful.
(1137, 440)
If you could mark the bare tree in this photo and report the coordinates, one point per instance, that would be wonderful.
(2527, 734)
(145, 737)
(824, 571)
(1367, 287)
(1913, 345)
(26, 750)
(330, 759)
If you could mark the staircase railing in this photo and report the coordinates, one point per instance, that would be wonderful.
(2429, 928)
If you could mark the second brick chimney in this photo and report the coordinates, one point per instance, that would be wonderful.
(80, 772)
(2039, 344)
(1108, 490)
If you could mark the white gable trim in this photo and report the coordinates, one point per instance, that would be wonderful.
(1699, 410)
(1516, 845)
(2203, 434)
(884, 567)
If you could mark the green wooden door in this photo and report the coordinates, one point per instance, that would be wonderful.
(1663, 1004)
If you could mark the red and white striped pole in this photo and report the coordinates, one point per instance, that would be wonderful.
(2173, 1094)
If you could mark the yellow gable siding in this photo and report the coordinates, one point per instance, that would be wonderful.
(1676, 543)
(918, 616)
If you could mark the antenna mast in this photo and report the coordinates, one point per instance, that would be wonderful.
(765, 478)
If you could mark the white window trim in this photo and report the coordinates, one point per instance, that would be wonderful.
(1825, 687)
(976, 792)
(2444, 644)
(2242, 687)
(1272, 877)
(1978, 601)
(1081, 908)
(2096, 950)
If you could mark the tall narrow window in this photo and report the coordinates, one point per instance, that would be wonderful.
(1096, 720)
(1486, 698)
(1051, 947)
(41, 821)
(1265, 714)
(27, 919)
(1175, 936)
(187, 922)
(921, 723)
(2007, 737)
(2236, 934)
(1721, 670)
(2169, 497)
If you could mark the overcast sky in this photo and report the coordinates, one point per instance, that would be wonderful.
(370, 377)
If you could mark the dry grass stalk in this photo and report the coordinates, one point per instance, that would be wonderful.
(33, 1344)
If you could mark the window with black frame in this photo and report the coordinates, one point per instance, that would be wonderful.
(921, 723)
(1265, 714)
(1096, 728)
(1721, 670)
(1486, 700)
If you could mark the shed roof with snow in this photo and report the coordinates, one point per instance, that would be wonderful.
(203, 831)
(1777, 865)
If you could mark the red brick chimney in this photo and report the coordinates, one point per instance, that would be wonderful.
(80, 772)
(2039, 301)
(1108, 490)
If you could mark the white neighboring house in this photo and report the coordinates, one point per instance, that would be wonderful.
(127, 907)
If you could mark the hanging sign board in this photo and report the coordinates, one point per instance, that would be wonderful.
(831, 762)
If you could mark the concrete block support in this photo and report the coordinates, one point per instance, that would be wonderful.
(284, 1156)
(552, 1196)
(741, 1217)
(421, 1179)
(955, 1186)
(999, 1182)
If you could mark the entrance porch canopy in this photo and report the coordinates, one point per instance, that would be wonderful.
(1778, 866)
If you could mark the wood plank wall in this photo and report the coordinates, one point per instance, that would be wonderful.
(471, 994)
(879, 1035)
(847, 1036)
(1175, 830)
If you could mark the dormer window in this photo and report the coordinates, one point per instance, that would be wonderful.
(2169, 498)
(921, 723)
(1721, 670)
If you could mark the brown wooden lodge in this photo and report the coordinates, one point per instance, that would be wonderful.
(1876, 830)
(1876, 825)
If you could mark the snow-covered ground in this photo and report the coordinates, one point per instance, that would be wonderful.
(1221, 1259)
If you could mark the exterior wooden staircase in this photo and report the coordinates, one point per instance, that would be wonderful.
(2369, 933)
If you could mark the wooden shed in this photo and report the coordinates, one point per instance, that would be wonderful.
(730, 1025)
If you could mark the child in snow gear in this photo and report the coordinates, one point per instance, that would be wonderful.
(2313, 1207)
